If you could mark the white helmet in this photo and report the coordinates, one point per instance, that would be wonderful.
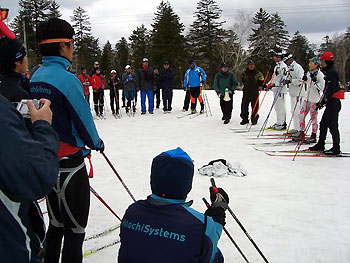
(113, 71)
(127, 67)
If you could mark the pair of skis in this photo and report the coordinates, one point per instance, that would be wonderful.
(301, 153)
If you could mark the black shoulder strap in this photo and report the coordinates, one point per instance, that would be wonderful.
(203, 233)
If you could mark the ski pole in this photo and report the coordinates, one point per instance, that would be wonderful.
(228, 234)
(301, 140)
(261, 132)
(104, 203)
(216, 190)
(257, 100)
(295, 107)
(120, 179)
(256, 114)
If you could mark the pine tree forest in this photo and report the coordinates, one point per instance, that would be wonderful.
(209, 40)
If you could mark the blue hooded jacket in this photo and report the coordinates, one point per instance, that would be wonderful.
(72, 118)
(192, 77)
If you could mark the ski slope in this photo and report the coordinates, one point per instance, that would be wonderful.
(295, 211)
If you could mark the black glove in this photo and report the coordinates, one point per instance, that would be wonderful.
(276, 72)
(218, 206)
(314, 79)
(319, 105)
(101, 148)
(287, 81)
(304, 78)
(265, 87)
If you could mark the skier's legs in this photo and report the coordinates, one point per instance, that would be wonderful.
(280, 108)
(112, 99)
(230, 107)
(254, 100)
(165, 99)
(222, 106)
(101, 100)
(123, 97)
(304, 111)
(295, 103)
(187, 100)
(324, 126)
(170, 98)
(244, 108)
(335, 107)
(314, 113)
(143, 101)
(158, 97)
(194, 92)
(150, 100)
(96, 98)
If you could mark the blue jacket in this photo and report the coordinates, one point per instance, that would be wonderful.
(161, 230)
(72, 118)
(28, 171)
(166, 78)
(192, 77)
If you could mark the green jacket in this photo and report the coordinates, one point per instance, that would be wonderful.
(252, 79)
(223, 81)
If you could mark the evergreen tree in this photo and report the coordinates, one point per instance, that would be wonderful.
(54, 9)
(167, 41)
(206, 34)
(107, 58)
(30, 14)
(139, 43)
(121, 58)
(87, 49)
(300, 48)
(260, 45)
(280, 36)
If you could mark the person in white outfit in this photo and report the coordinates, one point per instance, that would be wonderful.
(296, 90)
(279, 88)
(315, 84)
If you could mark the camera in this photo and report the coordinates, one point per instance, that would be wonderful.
(22, 107)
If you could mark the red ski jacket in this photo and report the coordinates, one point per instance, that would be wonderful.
(87, 82)
(98, 82)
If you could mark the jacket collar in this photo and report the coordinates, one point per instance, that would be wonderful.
(13, 75)
(164, 201)
(57, 60)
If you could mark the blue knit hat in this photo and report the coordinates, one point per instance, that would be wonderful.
(172, 174)
(316, 60)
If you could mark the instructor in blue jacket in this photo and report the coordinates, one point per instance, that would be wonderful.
(164, 228)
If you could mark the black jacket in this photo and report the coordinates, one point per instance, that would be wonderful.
(331, 82)
(11, 89)
(252, 79)
(28, 171)
(166, 78)
(145, 79)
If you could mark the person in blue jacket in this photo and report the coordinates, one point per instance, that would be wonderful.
(69, 201)
(164, 228)
(28, 171)
(194, 79)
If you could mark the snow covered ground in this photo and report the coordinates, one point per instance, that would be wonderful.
(295, 211)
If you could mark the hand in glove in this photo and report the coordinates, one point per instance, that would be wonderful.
(287, 81)
(314, 79)
(276, 72)
(219, 205)
(101, 148)
(304, 78)
(219, 94)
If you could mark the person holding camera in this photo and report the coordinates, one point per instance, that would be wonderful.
(69, 200)
(225, 84)
(166, 221)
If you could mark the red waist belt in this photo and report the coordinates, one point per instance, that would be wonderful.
(339, 94)
(67, 149)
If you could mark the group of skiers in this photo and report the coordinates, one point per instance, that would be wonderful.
(147, 80)
(309, 92)
(45, 154)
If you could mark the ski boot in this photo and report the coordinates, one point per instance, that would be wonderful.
(318, 147)
(244, 122)
(332, 151)
(312, 139)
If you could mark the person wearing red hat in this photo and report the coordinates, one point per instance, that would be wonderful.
(331, 99)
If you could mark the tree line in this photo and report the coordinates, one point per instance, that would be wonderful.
(207, 40)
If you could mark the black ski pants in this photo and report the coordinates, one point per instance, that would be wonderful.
(98, 101)
(330, 121)
(246, 100)
(226, 107)
(187, 100)
(114, 98)
(167, 94)
(68, 206)
(196, 93)
(156, 94)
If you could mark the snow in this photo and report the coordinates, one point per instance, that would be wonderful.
(295, 211)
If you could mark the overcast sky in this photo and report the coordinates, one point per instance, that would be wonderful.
(111, 19)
